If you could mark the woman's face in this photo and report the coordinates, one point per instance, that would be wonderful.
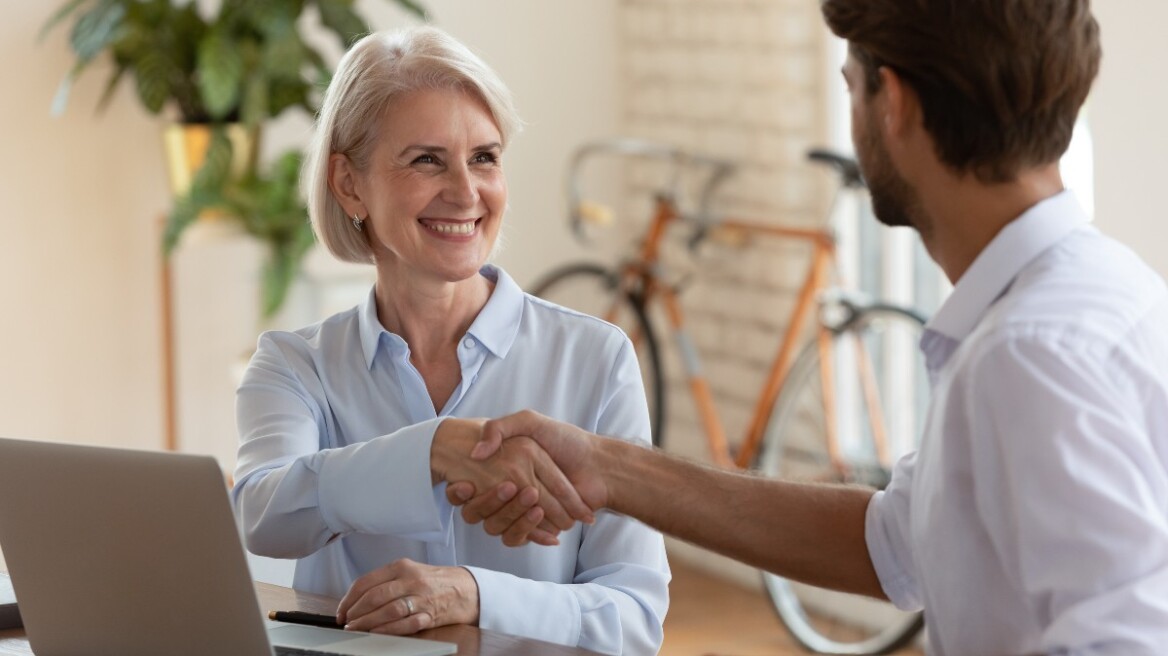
(434, 191)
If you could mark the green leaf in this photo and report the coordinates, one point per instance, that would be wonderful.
(206, 190)
(220, 73)
(135, 40)
(338, 15)
(96, 28)
(254, 108)
(414, 8)
(60, 15)
(283, 264)
(279, 272)
(62, 96)
(274, 20)
(184, 213)
(110, 86)
(283, 94)
(287, 168)
(216, 168)
(283, 57)
(154, 80)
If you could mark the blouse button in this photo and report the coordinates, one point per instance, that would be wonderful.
(468, 343)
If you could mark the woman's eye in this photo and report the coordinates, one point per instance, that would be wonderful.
(425, 159)
(485, 158)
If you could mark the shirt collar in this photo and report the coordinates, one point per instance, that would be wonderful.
(495, 327)
(498, 324)
(1000, 262)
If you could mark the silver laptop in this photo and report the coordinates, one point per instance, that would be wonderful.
(135, 553)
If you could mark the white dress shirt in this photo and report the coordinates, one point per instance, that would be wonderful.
(1034, 517)
(336, 426)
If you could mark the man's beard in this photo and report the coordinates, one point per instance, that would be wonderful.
(894, 201)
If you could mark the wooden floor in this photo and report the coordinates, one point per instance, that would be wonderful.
(709, 616)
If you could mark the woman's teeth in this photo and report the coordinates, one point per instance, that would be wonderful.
(452, 228)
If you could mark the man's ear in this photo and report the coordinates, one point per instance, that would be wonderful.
(342, 180)
(901, 107)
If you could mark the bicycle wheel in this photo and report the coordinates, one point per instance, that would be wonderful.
(595, 290)
(796, 447)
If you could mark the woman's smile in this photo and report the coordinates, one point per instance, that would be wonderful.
(447, 228)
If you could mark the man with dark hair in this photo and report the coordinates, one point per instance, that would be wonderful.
(1034, 517)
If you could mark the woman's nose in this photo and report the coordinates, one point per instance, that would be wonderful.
(461, 189)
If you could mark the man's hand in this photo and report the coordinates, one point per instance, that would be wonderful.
(405, 597)
(504, 508)
(518, 471)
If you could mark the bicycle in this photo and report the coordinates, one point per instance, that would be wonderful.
(822, 415)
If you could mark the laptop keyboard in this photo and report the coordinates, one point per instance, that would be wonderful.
(296, 651)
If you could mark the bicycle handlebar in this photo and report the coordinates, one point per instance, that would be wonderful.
(680, 160)
(847, 167)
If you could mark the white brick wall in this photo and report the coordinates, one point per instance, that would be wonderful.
(742, 80)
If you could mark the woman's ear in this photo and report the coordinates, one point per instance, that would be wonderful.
(342, 181)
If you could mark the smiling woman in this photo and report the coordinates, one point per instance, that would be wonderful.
(434, 192)
(350, 428)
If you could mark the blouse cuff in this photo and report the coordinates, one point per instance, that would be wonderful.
(531, 609)
(383, 486)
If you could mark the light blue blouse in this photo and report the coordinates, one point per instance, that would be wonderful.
(335, 427)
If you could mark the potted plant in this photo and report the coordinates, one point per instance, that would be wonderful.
(247, 63)
(266, 204)
(219, 77)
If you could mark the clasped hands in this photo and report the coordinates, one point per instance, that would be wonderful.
(526, 489)
(525, 477)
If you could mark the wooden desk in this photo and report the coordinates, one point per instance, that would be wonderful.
(470, 640)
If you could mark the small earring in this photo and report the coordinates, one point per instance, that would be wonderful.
(358, 223)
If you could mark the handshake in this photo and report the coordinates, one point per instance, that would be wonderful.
(525, 476)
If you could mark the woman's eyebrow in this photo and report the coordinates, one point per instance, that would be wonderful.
(494, 145)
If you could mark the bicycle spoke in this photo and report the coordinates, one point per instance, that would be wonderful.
(827, 426)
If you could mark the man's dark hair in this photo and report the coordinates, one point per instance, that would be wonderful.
(1000, 81)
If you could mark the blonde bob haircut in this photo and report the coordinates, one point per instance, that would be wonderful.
(377, 69)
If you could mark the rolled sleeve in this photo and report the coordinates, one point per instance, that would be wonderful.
(888, 537)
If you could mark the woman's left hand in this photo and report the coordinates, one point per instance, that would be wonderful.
(405, 597)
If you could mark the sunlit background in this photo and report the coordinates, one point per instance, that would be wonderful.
(83, 338)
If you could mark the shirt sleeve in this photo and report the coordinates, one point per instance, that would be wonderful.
(1072, 493)
(888, 537)
(293, 494)
(618, 598)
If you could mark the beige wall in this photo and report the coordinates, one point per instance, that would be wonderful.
(1128, 120)
(80, 198)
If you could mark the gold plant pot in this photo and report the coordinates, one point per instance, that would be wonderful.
(186, 147)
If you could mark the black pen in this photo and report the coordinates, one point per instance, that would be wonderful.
(300, 617)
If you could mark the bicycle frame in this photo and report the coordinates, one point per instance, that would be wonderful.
(640, 273)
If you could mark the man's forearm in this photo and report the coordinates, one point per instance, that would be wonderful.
(811, 533)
